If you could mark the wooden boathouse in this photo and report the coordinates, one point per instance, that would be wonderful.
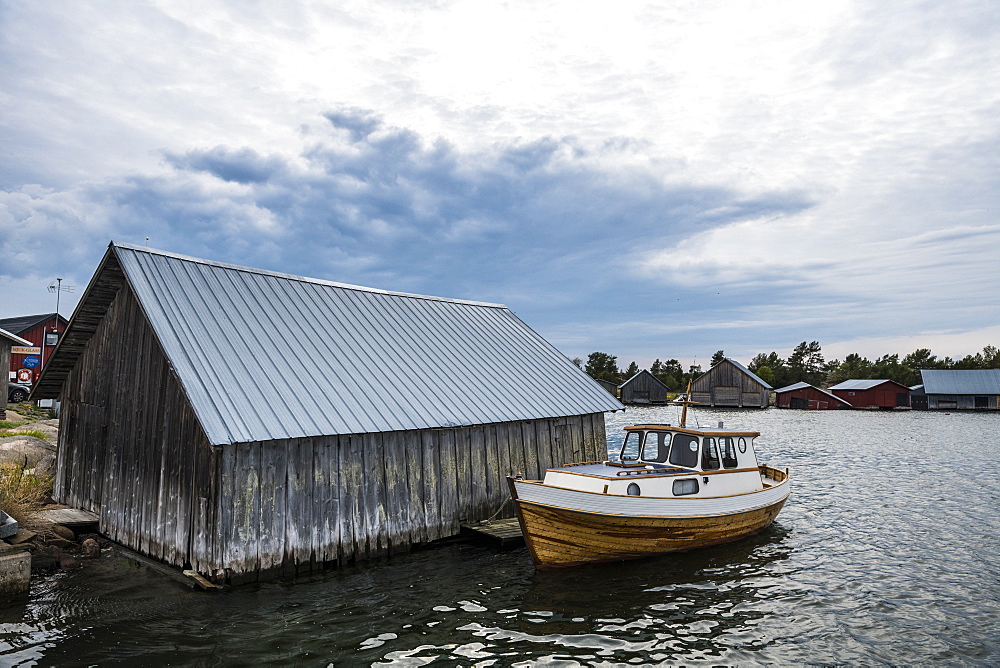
(245, 423)
(879, 394)
(730, 384)
(805, 396)
(961, 389)
(643, 389)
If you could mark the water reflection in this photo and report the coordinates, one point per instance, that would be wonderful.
(885, 553)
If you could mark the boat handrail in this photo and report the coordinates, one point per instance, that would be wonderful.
(660, 471)
(775, 474)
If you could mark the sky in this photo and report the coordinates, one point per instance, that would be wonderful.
(653, 180)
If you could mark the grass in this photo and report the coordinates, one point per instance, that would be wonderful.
(7, 424)
(29, 432)
(22, 494)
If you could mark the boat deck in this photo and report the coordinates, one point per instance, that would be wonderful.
(614, 472)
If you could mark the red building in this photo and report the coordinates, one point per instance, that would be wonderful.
(883, 394)
(804, 395)
(43, 332)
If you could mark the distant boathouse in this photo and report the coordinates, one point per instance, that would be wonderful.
(246, 423)
(730, 384)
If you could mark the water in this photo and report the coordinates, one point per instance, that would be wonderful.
(886, 553)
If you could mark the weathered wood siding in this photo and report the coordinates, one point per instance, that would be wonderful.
(132, 451)
(4, 364)
(130, 448)
(962, 402)
(725, 384)
(643, 388)
(298, 504)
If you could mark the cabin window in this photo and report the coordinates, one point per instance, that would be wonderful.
(630, 448)
(685, 486)
(743, 444)
(684, 451)
(709, 455)
(633, 489)
(728, 447)
(656, 446)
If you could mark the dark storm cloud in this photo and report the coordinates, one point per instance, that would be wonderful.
(241, 166)
(386, 205)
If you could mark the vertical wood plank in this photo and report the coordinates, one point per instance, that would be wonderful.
(430, 448)
(416, 489)
(477, 474)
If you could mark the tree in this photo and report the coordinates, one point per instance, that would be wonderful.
(854, 367)
(780, 373)
(719, 356)
(921, 358)
(602, 366)
(766, 375)
(670, 373)
(806, 363)
(633, 369)
(578, 362)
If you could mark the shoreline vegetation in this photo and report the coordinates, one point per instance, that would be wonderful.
(805, 364)
(28, 440)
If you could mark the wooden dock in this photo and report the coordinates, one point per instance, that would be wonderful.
(504, 534)
(69, 517)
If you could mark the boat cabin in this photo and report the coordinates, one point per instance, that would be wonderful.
(665, 461)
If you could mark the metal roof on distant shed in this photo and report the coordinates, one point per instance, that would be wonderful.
(801, 385)
(860, 384)
(264, 355)
(961, 381)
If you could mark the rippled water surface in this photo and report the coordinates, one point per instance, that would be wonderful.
(886, 553)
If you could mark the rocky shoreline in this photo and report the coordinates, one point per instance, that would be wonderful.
(29, 449)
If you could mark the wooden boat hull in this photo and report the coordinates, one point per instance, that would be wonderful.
(560, 536)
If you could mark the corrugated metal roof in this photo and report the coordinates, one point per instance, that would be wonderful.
(14, 338)
(859, 384)
(801, 385)
(264, 355)
(961, 381)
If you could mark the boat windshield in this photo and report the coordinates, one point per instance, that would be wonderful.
(656, 446)
(684, 451)
(630, 448)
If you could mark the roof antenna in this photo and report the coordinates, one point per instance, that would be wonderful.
(59, 288)
(147, 242)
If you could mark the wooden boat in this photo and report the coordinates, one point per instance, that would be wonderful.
(673, 488)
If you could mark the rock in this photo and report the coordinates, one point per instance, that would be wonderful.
(63, 532)
(60, 542)
(91, 549)
(68, 563)
(22, 536)
(24, 450)
(43, 563)
(46, 466)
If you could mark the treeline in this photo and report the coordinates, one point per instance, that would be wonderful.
(806, 363)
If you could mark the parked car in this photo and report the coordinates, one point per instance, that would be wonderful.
(17, 393)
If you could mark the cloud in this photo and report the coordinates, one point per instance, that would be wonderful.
(240, 166)
(383, 206)
(668, 175)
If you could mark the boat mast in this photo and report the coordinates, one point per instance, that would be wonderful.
(685, 403)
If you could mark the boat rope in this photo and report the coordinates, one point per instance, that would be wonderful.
(490, 518)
